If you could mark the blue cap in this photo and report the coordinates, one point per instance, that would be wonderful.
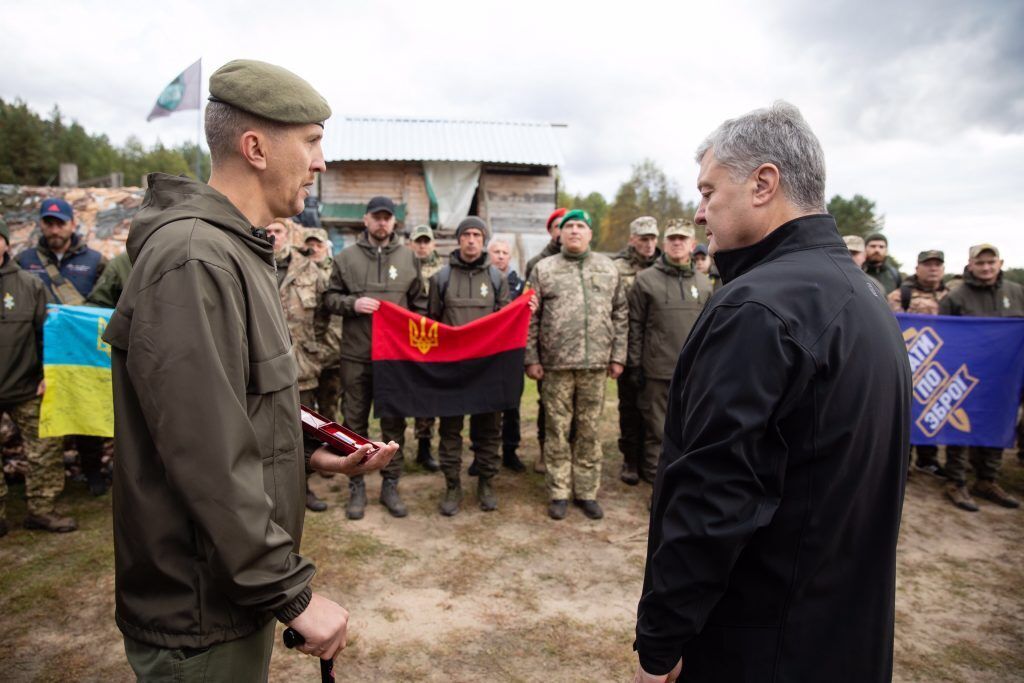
(700, 249)
(58, 208)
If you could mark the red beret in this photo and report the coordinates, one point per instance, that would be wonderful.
(555, 215)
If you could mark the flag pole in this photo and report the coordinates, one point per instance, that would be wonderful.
(199, 120)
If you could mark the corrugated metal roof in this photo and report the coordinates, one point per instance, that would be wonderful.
(398, 139)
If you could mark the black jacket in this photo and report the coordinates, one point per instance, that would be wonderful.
(772, 549)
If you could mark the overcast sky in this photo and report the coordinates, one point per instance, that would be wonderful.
(919, 106)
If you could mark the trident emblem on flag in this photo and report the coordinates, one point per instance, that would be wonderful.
(423, 337)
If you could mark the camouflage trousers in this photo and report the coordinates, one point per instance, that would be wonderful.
(573, 396)
(45, 457)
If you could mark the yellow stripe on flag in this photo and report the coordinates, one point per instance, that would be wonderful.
(78, 400)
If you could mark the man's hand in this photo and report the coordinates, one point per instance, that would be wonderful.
(535, 371)
(644, 677)
(41, 389)
(328, 460)
(366, 305)
(324, 625)
(614, 370)
(534, 303)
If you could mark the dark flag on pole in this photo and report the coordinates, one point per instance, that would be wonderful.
(422, 368)
(180, 94)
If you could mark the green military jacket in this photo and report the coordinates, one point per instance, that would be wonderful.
(1004, 299)
(429, 266)
(664, 304)
(582, 321)
(388, 272)
(629, 262)
(209, 467)
(550, 249)
(331, 350)
(109, 286)
(23, 300)
(886, 274)
(302, 292)
(469, 293)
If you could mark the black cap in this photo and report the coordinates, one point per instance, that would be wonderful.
(381, 204)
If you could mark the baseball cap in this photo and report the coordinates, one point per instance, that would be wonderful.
(421, 231)
(318, 234)
(931, 254)
(381, 204)
(854, 242)
(700, 249)
(57, 208)
(645, 225)
(680, 226)
(984, 246)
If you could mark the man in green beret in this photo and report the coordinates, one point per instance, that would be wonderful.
(210, 466)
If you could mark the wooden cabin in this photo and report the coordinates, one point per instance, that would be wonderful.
(440, 171)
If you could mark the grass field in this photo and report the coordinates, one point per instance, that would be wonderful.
(511, 595)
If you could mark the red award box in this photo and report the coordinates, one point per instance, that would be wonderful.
(341, 439)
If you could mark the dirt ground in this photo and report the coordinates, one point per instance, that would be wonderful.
(512, 595)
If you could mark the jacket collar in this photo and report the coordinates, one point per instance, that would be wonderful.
(973, 282)
(806, 232)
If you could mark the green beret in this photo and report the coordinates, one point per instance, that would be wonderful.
(268, 91)
(576, 215)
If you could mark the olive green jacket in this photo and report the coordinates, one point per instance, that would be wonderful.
(209, 467)
(302, 292)
(664, 304)
(469, 294)
(389, 272)
(23, 300)
(583, 318)
(1004, 299)
(108, 288)
(428, 267)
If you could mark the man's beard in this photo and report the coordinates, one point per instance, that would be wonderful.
(57, 241)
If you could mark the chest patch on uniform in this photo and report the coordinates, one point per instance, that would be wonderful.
(9, 301)
(693, 291)
(1006, 302)
(392, 272)
(483, 289)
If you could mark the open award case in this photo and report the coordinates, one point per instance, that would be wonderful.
(332, 434)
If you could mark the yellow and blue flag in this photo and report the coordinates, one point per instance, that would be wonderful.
(968, 378)
(76, 365)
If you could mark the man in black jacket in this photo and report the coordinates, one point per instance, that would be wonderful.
(776, 510)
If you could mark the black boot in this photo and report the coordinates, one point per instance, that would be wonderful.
(591, 508)
(485, 495)
(356, 499)
(313, 503)
(511, 461)
(390, 499)
(96, 482)
(473, 470)
(629, 474)
(452, 498)
(557, 509)
(423, 457)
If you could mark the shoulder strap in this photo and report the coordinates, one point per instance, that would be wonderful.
(62, 289)
(496, 277)
(906, 293)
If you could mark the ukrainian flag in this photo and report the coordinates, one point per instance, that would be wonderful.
(76, 365)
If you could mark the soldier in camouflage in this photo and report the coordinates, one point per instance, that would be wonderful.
(577, 336)
(301, 285)
(640, 253)
(421, 241)
(23, 300)
(328, 388)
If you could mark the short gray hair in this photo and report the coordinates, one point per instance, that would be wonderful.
(225, 124)
(774, 135)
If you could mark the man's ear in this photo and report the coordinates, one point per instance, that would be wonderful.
(253, 146)
(766, 183)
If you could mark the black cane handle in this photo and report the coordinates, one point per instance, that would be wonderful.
(293, 638)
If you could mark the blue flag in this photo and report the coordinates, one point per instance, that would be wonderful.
(968, 378)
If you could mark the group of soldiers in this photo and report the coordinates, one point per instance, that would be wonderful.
(624, 317)
(981, 291)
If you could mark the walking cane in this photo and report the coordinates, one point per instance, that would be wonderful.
(293, 638)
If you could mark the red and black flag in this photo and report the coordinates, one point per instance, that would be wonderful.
(422, 368)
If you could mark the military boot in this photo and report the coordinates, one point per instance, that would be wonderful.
(390, 499)
(989, 490)
(314, 503)
(452, 498)
(485, 495)
(96, 483)
(629, 475)
(957, 493)
(356, 499)
(50, 522)
(591, 508)
(424, 458)
(474, 469)
(557, 509)
(511, 461)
